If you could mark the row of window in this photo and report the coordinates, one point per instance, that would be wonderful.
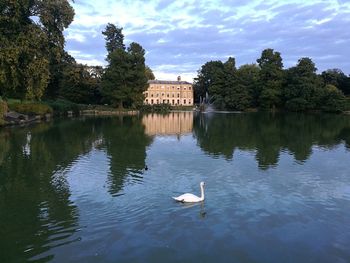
(166, 101)
(168, 87)
(167, 95)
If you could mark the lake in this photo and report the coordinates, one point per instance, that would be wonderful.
(277, 189)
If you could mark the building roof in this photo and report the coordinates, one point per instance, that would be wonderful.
(168, 82)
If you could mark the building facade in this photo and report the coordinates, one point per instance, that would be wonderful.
(175, 93)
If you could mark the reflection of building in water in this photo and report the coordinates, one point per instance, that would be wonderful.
(170, 92)
(175, 123)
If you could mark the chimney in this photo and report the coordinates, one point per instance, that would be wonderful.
(179, 78)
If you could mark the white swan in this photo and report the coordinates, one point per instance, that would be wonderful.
(191, 198)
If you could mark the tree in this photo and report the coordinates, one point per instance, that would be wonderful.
(23, 51)
(337, 78)
(208, 76)
(138, 79)
(149, 73)
(114, 38)
(248, 79)
(125, 78)
(271, 77)
(302, 86)
(55, 16)
(32, 42)
(236, 96)
(332, 99)
(80, 85)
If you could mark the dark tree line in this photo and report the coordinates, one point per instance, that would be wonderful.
(267, 85)
(35, 66)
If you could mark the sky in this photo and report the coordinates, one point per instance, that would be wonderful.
(180, 36)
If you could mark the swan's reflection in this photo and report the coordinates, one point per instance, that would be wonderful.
(201, 205)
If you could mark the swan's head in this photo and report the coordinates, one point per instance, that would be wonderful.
(202, 184)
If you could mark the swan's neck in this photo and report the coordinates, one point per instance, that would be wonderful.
(202, 192)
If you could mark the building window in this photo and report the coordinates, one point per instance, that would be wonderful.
(168, 101)
(157, 101)
(164, 101)
(173, 87)
(184, 88)
(178, 95)
(178, 102)
(151, 101)
(173, 95)
(184, 101)
(189, 88)
(178, 88)
(189, 101)
(146, 94)
(146, 101)
(162, 94)
(167, 95)
(173, 102)
(152, 95)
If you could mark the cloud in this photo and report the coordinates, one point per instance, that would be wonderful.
(180, 36)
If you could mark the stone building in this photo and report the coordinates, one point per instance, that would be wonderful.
(175, 93)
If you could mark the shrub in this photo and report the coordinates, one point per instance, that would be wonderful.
(3, 108)
(61, 106)
(161, 108)
(31, 108)
(333, 99)
(297, 104)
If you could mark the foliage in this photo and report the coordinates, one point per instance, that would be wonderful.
(125, 77)
(32, 41)
(3, 110)
(159, 108)
(114, 38)
(337, 78)
(81, 84)
(61, 106)
(268, 86)
(149, 73)
(332, 100)
(31, 108)
(270, 78)
(302, 86)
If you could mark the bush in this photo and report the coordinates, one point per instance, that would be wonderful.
(297, 104)
(3, 108)
(333, 99)
(31, 108)
(160, 108)
(61, 106)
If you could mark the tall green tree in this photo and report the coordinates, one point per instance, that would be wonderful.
(55, 16)
(23, 51)
(337, 78)
(208, 77)
(125, 77)
(149, 73)
(80, 84)
(32, 42)
(114, 38)
(138, 79)
(248, 79)
(271, 78)
(302, 88)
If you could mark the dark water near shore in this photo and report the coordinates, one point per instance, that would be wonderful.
(277, 189)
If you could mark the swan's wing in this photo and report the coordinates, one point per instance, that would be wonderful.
(187, 198)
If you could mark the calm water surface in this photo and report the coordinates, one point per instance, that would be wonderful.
(277, 189)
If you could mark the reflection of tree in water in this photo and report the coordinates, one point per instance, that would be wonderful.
(269, 134)
(35, 211)
(126, 143)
